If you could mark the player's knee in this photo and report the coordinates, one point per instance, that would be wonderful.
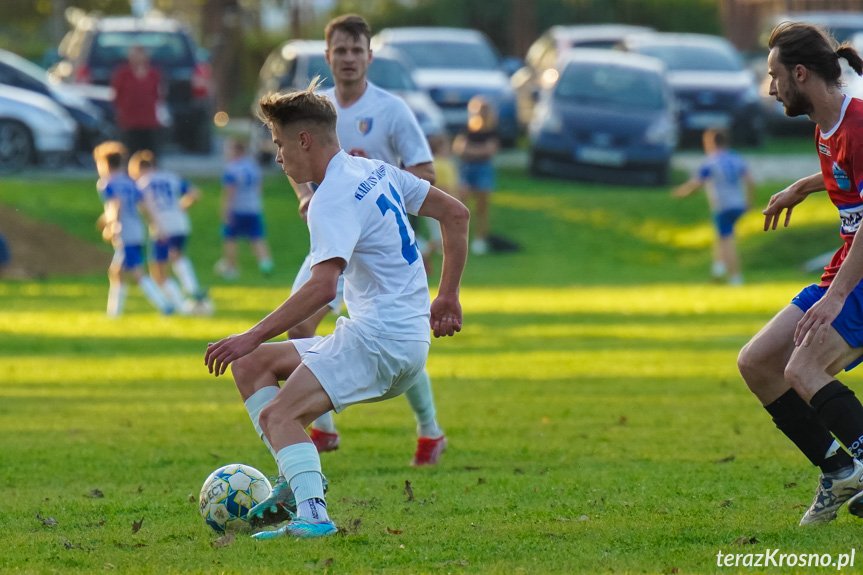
(797, 375)
(277, 411)
(749, 363)
(245, 369)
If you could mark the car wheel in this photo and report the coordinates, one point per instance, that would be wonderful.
(16, 146)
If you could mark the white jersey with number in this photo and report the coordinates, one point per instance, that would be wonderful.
(359, 214)
(383, 126)
(162, 194)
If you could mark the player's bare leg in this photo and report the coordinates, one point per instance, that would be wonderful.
(262, 252)
(227, 266)
(297, 404)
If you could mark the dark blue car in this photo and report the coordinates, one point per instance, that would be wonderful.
(607, 116)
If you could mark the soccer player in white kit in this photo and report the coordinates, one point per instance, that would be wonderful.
(372, 123)
(167, 196)
(358, 227)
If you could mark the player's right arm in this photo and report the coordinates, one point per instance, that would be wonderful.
(446, 317)
(790, 197)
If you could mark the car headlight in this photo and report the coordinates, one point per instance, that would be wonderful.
(661, 131)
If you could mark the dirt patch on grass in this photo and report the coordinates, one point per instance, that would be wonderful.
(39, 250)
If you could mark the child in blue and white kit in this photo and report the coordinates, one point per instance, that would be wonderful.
(124, 228)
(730, 192)
(242, 211)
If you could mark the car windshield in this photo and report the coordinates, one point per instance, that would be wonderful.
(318, 67)
(688, 57)
(450, 55)
(613, 86)
(163, 47)
(390, 75)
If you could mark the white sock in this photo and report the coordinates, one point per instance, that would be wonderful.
(116, 299)
(186, 274)
(255, 404)
(718, 269)
(301, 466)
(325, 423)
(172, 293)
(153, 293)
(422, 402)
(315, 510)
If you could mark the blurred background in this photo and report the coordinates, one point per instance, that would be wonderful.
(700, 63)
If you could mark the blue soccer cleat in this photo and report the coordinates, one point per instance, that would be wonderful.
(299, 528)
(280, 506)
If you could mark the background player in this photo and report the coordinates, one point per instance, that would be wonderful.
(167, 197)
(730, 193)
(358, 225)
(372, 123)
(790, 365)
(242, 211)
(124, 228)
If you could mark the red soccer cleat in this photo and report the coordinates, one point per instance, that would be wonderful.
(324, 441)
(429, 451)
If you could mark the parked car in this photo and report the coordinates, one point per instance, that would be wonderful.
(93, 125)
(292, 65)
(544, 54)
(608, 116)
(33, 129)
(843, 25)
(96, 46)
(453, 65)
(710, 82)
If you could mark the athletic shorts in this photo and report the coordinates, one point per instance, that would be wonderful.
(160, 249)
(355, 368)
(249, 226)
(303, 275)
(129, 257)
(849, 323)
(479, 176)
(725, 220)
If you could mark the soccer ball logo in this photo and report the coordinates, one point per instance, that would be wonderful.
(228, 494)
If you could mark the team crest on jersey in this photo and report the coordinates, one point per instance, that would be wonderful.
(841, 177)
(850, 217)
(364, 125)
(823, 149)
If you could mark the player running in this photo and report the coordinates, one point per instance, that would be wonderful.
(242, 211)
(167, 197)
(372, 123)
(791, 364)
(122, 226)
(358, 227)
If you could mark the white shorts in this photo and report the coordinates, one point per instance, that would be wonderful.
(303, 275)
(354, 368)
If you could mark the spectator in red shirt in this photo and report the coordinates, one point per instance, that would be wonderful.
(137, 87)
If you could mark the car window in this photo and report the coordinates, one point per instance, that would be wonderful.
(687, 57)
(450, 55)
(612, 86)
(279, 70)
(169, 48)
(390, 75)
(318, 67)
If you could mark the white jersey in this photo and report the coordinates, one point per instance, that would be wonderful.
(359, 214)
(162, 194)
(383, 126)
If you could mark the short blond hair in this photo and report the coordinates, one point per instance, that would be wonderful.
(141, 160)
(110, 154)
(302, 106)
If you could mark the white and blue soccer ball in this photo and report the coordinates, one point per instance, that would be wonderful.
(229, 493)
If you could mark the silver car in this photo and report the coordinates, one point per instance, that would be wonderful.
(33, 129)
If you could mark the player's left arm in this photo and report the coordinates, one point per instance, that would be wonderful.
(301, 305)
(454, 217)
(424, 171)
(191, 195)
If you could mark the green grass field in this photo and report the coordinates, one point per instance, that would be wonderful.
(596, 418)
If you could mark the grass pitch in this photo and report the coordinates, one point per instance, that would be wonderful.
(596, 419)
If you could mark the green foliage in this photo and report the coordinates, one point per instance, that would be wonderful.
(494, 16)
(596, 419)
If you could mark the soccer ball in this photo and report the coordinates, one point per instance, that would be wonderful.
(229, 493)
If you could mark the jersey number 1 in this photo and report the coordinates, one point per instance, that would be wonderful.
(409, 249)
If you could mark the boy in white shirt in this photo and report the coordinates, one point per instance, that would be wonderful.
(358, 226)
